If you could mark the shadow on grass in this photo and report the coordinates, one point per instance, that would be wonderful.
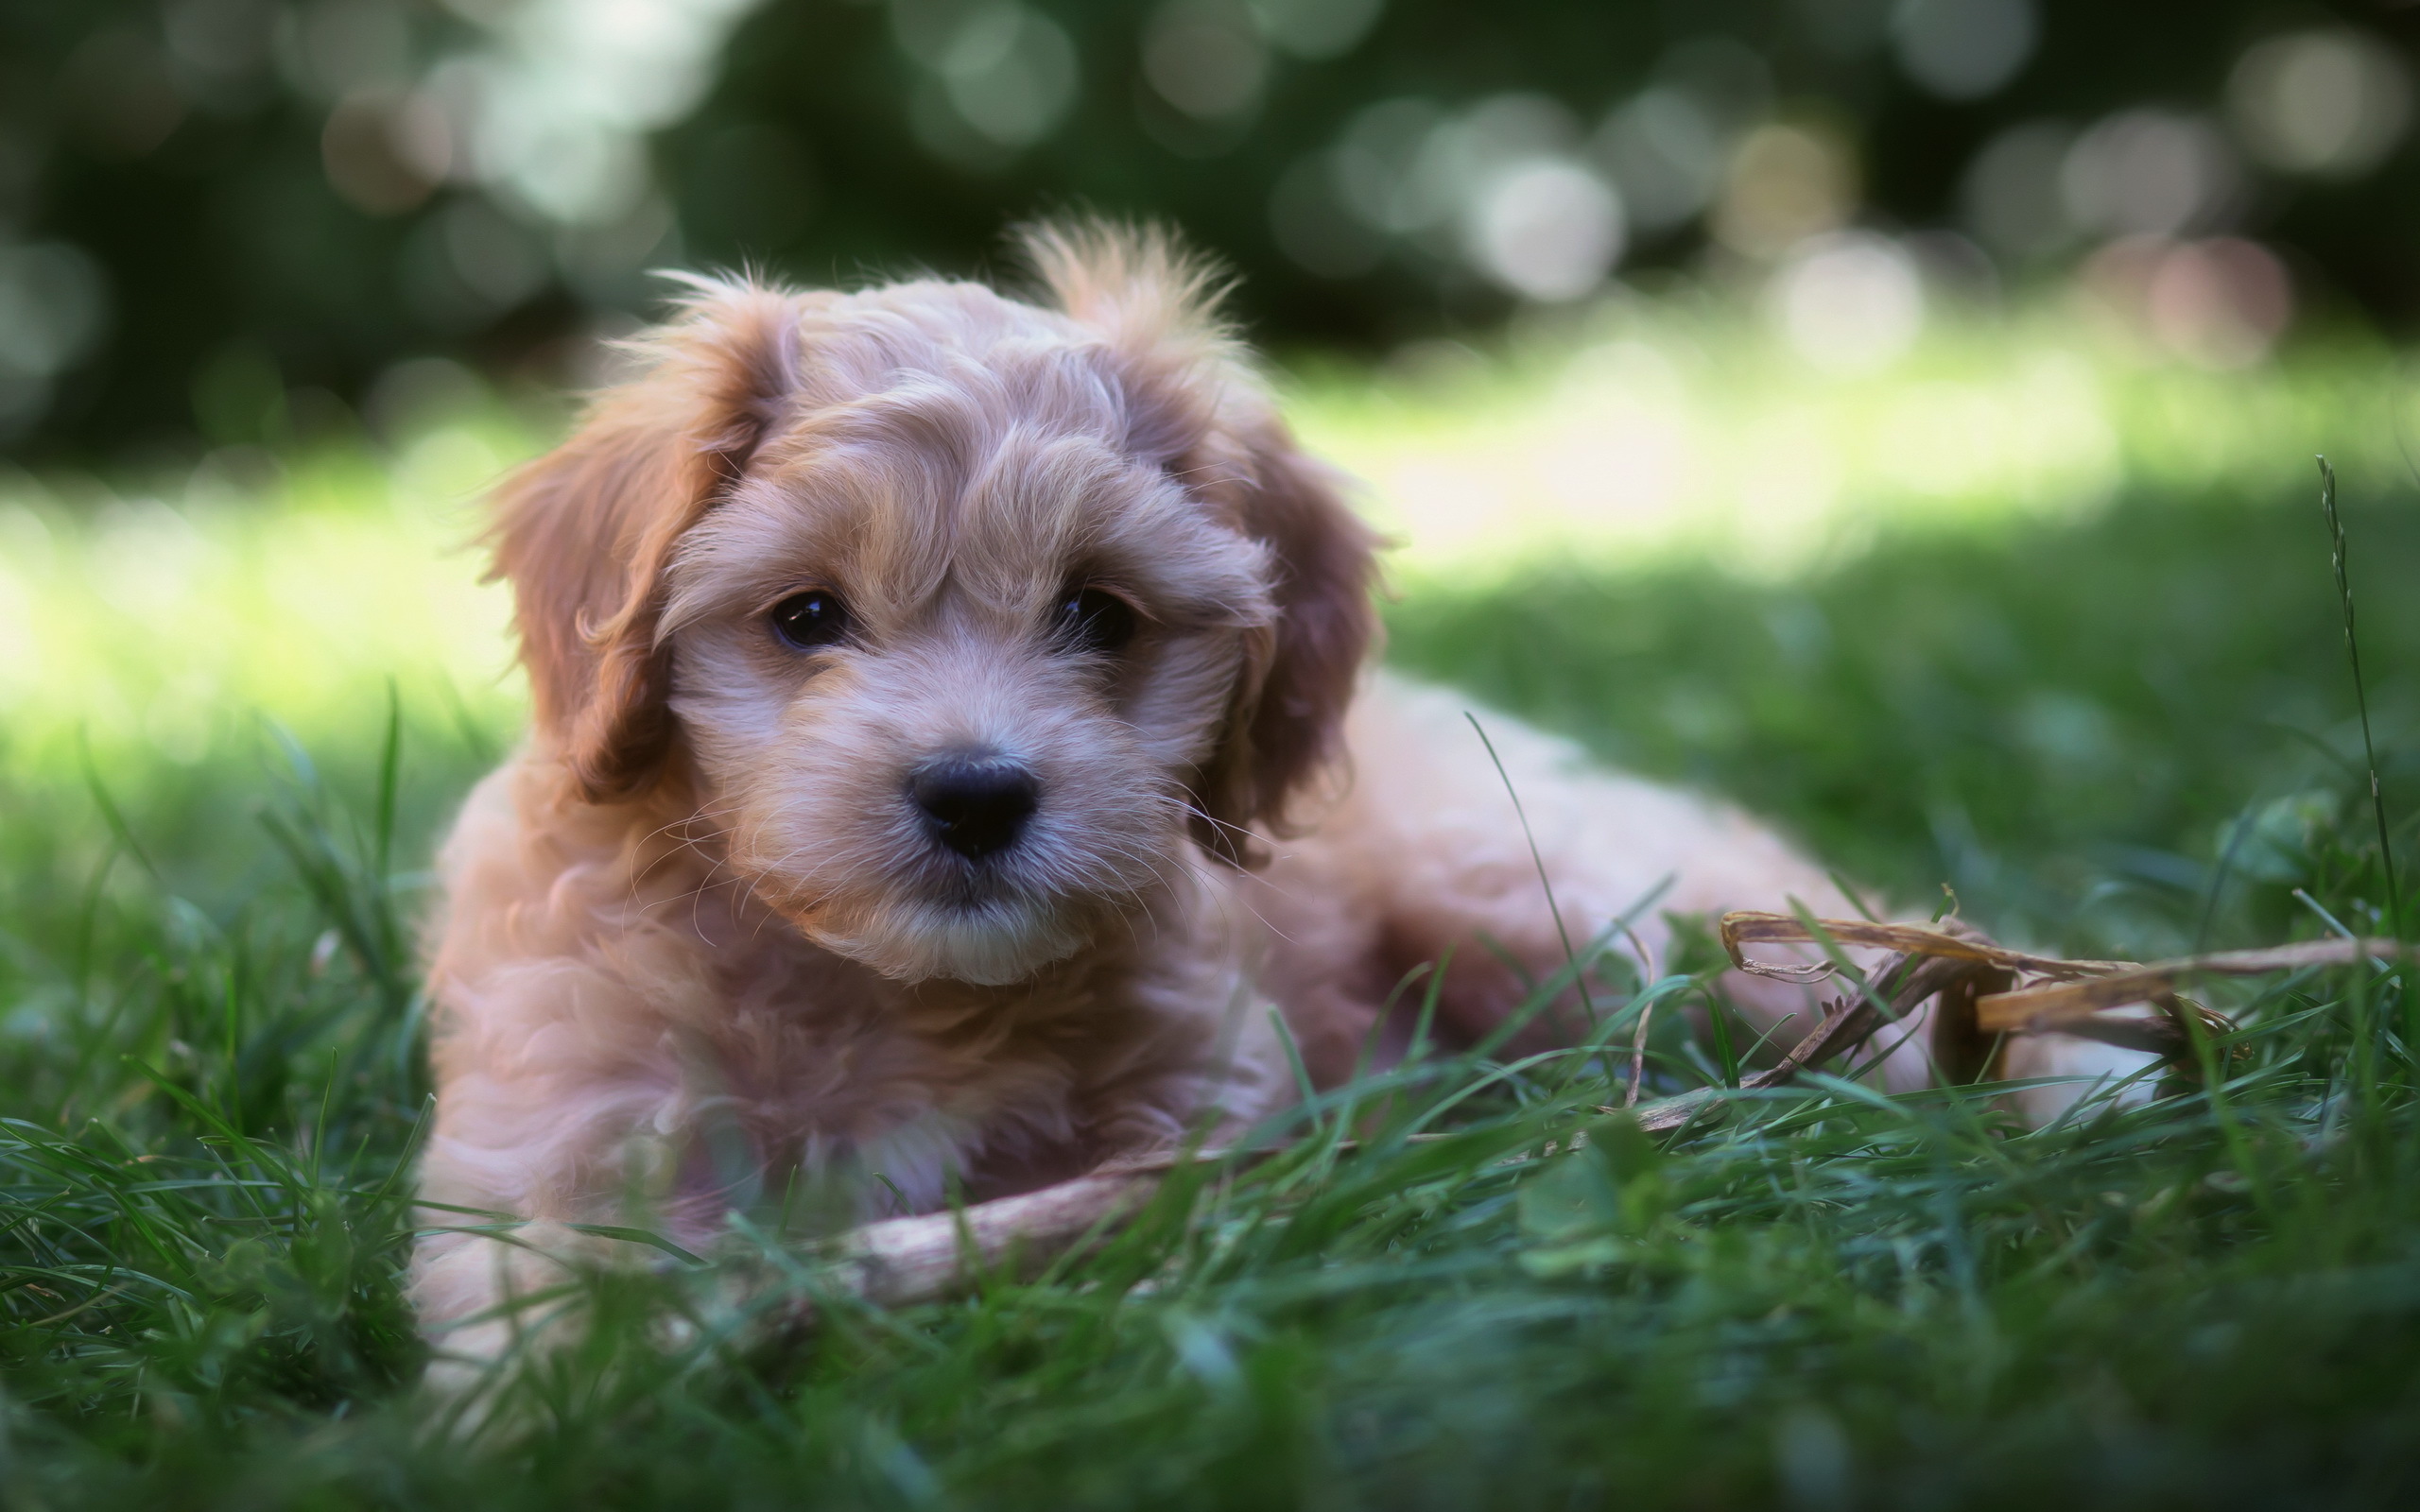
(2063, 723)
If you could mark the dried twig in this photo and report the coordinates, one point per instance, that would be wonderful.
(2060, 1004)
(2165, 1035)
(901, 1261)
(1966, 943)
(1847, 1024)
(2072, 1001)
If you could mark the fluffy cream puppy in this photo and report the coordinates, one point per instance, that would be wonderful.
(946, 769)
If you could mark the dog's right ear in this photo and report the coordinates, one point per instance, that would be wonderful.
(585, 532)
(1157, 307)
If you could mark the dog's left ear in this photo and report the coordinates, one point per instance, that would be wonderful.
(1195, 404)
(1287, 722)
(585, 532)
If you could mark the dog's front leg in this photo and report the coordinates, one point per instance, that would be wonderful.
(513, 1188)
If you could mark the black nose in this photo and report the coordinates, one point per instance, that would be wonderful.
(977, 804)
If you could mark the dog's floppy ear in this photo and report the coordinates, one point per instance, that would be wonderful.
(1286, 720)
(585, 532)
(1198, 407)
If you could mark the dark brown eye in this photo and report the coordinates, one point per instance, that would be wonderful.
(810, 621)
(1095, 621)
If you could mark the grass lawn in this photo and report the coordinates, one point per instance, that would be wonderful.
(2101, 694)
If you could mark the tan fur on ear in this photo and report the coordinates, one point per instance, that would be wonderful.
(1138, 284)
(584, 532)
(1288, 721)
(1156, 305)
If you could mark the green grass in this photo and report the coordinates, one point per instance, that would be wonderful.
(2069, 722)
(2122, 727)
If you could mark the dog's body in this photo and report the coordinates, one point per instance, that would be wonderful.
(941, 770)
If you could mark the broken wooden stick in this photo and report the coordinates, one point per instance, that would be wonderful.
(1847, 1024)
(1957, 941)
(2060, 1005)
(2067, 997)
(901, 1261)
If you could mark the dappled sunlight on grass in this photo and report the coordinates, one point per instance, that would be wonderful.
(156, 625)
(1658, 431)
(156, 619)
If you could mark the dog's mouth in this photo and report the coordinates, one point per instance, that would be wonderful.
(973, 887)
(992, 940)
(992, 922)
(946, 887)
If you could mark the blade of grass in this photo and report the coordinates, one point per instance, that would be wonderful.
(1570, 955)
(390, 762)
(1724, 1055)
(2360, 693)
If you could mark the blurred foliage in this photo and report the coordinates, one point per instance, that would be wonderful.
(228, 220)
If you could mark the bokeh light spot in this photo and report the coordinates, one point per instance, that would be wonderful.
(1546, 229)
(1850, 302)
(1964, 49)
(2331, 103)
(2150, 172)
(1205, 58)
(1785, 184)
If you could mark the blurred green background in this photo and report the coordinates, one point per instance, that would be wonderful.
(229, 221)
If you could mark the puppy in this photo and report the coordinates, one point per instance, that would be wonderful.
(946, 773)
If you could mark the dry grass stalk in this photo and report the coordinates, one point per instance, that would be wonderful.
(2072, 998)
(1847, 1023)
(2060, 1004)
(1958, 941)
(901, 1261)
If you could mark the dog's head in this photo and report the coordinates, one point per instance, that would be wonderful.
(970, 619)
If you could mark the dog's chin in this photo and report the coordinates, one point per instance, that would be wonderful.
(993, 942)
